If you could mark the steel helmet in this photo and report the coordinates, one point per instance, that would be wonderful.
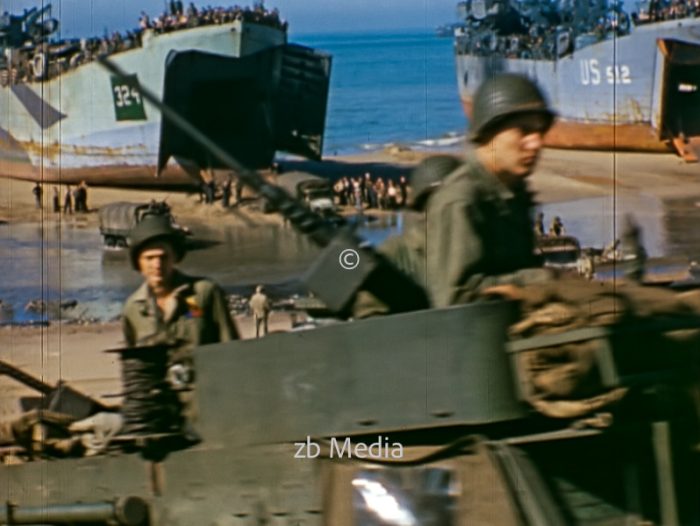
(152, 228)
(501, 96)
(428, 175)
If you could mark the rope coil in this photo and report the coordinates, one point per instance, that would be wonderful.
(150, 404)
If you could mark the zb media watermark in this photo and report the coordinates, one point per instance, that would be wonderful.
(344, 448)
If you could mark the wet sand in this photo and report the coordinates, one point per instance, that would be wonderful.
(73, 352)
(562, 175)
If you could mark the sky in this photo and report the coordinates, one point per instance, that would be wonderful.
(91, 17)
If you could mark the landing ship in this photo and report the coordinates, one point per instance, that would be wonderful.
(63, 119)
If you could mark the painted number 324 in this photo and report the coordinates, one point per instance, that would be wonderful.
(126, 95)
(592, 73)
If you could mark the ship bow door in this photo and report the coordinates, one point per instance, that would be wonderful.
(680, 97)
(230, 99)
(301, 99)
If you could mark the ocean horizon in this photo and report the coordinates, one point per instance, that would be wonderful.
(396, 87)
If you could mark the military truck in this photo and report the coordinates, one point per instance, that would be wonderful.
(314, 191)
(117, 220)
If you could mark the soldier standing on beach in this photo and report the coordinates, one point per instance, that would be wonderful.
(80, 196)
(556, 229)
(56, 200)
(226, 193)
(403, 188)
(239, 190)
(68, 201)
(539, 225)
(38, 193)
(632, 247)
(260, 304)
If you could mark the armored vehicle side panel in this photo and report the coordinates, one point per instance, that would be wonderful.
(440, 383)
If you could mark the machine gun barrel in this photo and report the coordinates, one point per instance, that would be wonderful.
(128, 511)
(309, 223)
(25, 378)
(60, 397)
(333, 284)
(34, 14)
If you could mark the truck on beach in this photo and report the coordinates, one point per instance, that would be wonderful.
(314, 191)
(118, 219)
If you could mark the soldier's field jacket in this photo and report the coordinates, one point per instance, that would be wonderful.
(477, 229)
(199, 316)
(475, 232)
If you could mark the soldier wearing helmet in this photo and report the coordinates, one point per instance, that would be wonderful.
(479, 220)
(169, 305)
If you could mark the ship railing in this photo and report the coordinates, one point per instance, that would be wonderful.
(43, 62)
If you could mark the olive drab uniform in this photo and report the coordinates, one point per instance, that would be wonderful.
(475, 233)
(477, 230)
(407, 253)
(199, 316)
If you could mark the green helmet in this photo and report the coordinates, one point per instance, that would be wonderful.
(501, 96)
(152, 228)
(428, 175)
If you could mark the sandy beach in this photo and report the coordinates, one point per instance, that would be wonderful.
(562, 175)
(72, 352)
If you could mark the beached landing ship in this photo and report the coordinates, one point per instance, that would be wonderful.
(63, 118)
(618, 81)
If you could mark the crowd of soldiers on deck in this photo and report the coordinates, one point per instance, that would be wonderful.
(546, 32)
(660, 11)
(49, 60)
(180, 18)
(364, 192)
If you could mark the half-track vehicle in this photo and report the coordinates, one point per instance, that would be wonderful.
(117, 220)
(419, 418)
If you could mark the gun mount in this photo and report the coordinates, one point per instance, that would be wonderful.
(60, 398)
(34, 26)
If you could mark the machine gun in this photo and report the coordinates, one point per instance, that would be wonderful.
(35, 25)
(60, 398)
(335, 285)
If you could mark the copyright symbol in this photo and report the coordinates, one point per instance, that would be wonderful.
(349, 259)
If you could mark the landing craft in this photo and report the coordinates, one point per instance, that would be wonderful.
(620, 81)
(63, 119)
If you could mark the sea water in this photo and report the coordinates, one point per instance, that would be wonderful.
(390, 88)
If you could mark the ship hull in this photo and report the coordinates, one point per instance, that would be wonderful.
(620, 94)
(85, 125)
